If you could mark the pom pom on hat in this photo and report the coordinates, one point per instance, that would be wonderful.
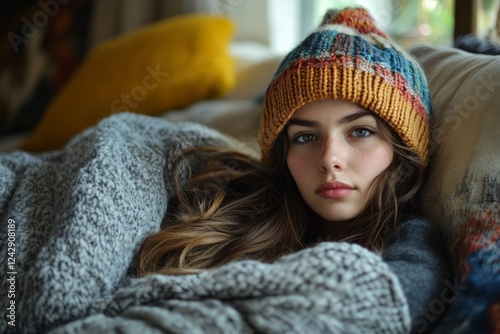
(355, 18)
(349, 58)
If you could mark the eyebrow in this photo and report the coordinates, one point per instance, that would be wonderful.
(355, 116)
(346, 119)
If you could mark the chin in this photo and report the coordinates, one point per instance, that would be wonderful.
(338, 218)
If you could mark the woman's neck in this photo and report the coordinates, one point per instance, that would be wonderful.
(332, 231)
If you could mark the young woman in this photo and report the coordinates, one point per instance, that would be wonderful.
(344, 138)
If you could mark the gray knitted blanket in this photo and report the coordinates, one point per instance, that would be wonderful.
(73, 219)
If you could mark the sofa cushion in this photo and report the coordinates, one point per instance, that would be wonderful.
(464, 178)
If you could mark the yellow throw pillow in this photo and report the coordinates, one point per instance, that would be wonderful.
(162, 66)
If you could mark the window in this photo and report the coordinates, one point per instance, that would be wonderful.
(407, 21)
(486, 16)
(282, 24)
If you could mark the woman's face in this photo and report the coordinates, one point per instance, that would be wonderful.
(336, 149)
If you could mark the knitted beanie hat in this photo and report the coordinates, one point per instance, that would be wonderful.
(348, 58)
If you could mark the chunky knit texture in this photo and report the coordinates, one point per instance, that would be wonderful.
(348, 58)
(81, 213)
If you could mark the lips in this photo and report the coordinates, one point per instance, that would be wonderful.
(334, 190)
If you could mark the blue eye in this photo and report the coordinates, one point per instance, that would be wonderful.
(304, 138)
(362, 133)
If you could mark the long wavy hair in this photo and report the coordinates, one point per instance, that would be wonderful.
(392, 194)
(228, 209)
(234, 207)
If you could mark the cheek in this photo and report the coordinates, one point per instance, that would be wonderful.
(298, 167)
(377, 160)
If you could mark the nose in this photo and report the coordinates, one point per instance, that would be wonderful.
(332, 157)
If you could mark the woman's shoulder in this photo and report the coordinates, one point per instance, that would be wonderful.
(416, 227)
(416, 238)
(416, 253)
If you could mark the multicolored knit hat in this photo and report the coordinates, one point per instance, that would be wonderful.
(348, 58)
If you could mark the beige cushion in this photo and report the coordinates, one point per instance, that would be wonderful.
(462, 192)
